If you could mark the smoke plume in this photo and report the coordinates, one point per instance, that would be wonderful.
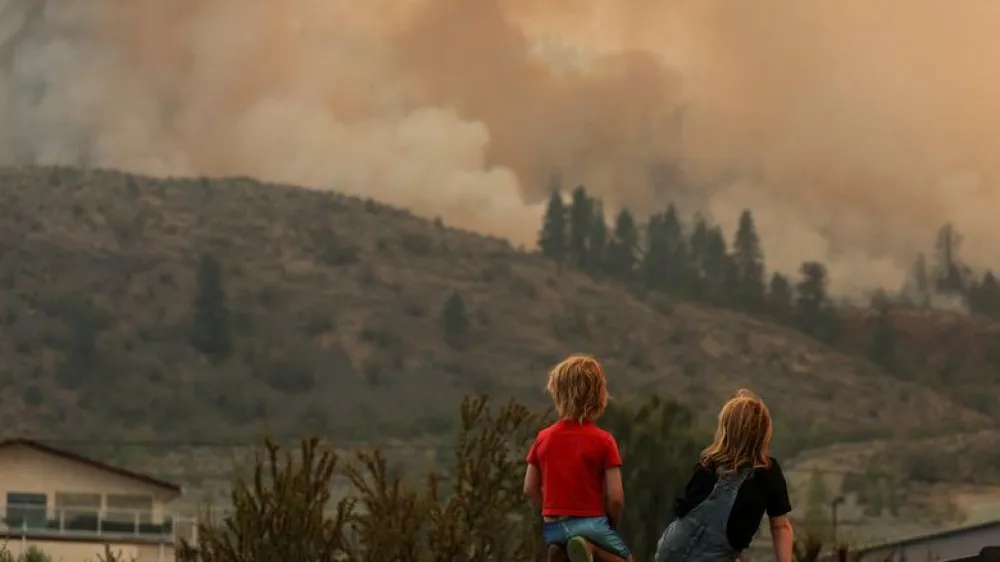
(853, 129)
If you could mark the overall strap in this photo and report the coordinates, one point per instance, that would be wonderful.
(719, 503)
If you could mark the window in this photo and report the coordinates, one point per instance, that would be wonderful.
(78, 500)
(78, 511)
(27, 510)
(126, 508)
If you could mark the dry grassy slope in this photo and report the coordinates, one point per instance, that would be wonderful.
(960, 458)
(342, 297)
(959, 354)
(943, 481)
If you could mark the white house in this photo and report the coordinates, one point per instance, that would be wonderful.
(70, 507)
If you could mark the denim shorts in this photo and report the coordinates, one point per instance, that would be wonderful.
(597, 530)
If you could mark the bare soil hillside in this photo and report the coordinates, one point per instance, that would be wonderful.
(336, 309)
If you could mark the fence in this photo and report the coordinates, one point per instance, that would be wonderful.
(987, 554)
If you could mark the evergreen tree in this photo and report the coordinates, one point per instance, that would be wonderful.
(625, 241)
(920, 282)
(748, 261)
(82, 360)
(455, 322)
(210, 331)
(677, 258)
(598, 247)
(948, 271)
(984, 297)
(892, 496)
(882, 349)
(659, 436)
(552, 238)
(581, 216)
(815, 314)
(874, 493)
(779, 298)
(718, 275)
(817, 504)
(697, 246)
(655, 261)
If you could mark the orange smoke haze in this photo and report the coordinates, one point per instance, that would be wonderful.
(853, 129)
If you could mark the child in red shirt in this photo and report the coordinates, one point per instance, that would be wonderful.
(574, 468)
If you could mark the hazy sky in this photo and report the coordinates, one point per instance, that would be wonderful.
(852, 128)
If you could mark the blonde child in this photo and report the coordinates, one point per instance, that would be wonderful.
(735, 482)
(574, 469)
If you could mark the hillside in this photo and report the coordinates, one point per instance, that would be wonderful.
(958, 354)
(903, 487)
(335, 304)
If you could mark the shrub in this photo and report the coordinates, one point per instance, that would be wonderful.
(473, 512)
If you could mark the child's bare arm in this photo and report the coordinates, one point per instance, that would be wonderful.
(533, 485)
(614, 495)
(782, 537)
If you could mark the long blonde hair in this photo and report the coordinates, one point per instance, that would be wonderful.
(743, 436)
(578, 388)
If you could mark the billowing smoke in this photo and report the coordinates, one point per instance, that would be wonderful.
(852, 128)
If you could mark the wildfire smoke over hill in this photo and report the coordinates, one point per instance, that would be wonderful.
(853, 129)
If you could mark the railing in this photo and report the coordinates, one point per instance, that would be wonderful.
(987, 554)
(83, 523)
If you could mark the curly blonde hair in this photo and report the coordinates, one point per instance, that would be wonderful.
(579, 388)
(743, 436)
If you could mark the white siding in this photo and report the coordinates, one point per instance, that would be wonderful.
(29, 470)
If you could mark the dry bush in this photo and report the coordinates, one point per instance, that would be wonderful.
(474, 511)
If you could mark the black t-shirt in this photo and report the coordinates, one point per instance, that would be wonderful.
(764, 491)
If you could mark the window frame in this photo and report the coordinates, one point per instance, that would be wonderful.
(29, 509)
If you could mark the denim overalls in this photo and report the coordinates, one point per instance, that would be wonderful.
(700, 536)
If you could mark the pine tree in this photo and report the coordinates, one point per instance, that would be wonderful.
(779, 298)
(984, 296)
(455, 322)
(678, 271)
(920, 282)
(552, 238)
(874, 493)
(659, 436)
(748, 260)
(948, 270)
(210, 331)
(892, 496)
(817, 504)
(624, 242)
(598, 248)
(696, 247)
(581, 215)
(882, 349)
(717, 268)
(82, 359)
(815, 314)
(989, 295)
(655, 260)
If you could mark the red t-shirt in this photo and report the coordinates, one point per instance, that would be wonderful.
(572, 458)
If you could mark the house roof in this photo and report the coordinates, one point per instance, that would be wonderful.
(929, 537)
(145, 478)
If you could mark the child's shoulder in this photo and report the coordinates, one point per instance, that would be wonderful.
(774, 465)
(562, 426)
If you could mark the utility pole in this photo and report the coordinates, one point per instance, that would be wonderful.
(833, 519)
